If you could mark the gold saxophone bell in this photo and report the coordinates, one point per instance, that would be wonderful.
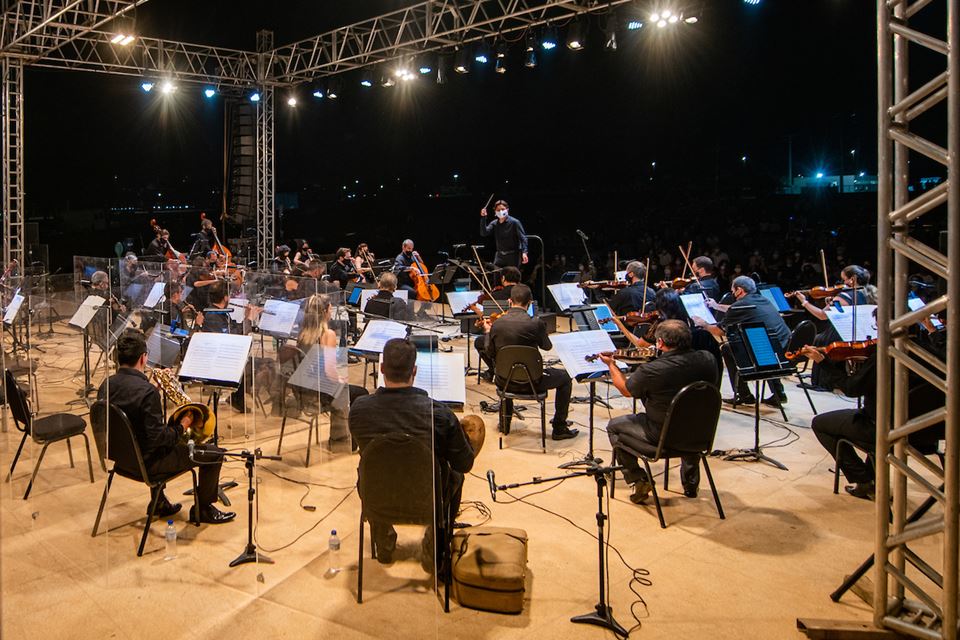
(204, 421)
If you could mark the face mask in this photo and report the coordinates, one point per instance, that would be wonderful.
(502, 214)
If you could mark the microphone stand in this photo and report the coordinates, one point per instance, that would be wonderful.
(543, 269)
(602, 615)
(590, 265)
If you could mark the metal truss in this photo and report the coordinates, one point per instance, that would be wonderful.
(264, 156)
(13, 197)
(426, 26)
(36, 27)
(916, 561)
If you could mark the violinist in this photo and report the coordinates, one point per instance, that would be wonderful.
(403, 265)
(509, 277)
(631, 297)
(216, 319)
(508, 232)
(342, 269)
(386, 305)
(855, 279)
(656, 383)
(749, 306)
(200, 278)
(364, 259)
(174, 295)
(706, 279)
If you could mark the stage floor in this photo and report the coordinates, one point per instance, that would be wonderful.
(786, 543)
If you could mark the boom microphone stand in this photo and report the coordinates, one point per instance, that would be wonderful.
(602, 615)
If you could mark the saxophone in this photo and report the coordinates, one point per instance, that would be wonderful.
(203, 422)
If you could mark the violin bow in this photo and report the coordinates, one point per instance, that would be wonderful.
(483, 270)
(823, 264)
(686, 262)
(486, 290)
(646, 278)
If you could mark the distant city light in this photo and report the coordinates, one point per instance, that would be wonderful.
(209, 92)
(254, 97)
(147, 87)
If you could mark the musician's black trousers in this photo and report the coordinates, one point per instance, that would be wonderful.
(385, 536)
(852, 425)
(553, 378)
(635, 432)
(208, 475)
(742, 388)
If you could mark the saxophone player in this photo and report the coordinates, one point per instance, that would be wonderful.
(161, 444)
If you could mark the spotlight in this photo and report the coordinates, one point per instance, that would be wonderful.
(691, 19)
(531, 60)
(443, 65)
(122, 39)
(366, 83)
(209, 92)
(167, 87)
(460, 64)
(531, 42)
(819, 174)
(255, 96)
(388, 81)
(673, 19)
(634, 25)
(501, 67)
(147, 87)
(425, 69)
(610, 33)
(333, 90)
(575, 36)
(549, 40)
(661, 23)
(501, 50)
(292, 101)
(318, 93)
(654, 17)
(481, 56)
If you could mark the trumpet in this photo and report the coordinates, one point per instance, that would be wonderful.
(202, 421)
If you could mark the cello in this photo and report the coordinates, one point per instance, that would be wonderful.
(420, 276)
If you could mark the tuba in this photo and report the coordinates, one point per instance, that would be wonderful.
(204, 422)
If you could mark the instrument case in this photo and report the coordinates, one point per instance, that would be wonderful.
(489, 568)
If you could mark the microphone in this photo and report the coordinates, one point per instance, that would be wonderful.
(443, 253)
(582, 234)
(490, 481)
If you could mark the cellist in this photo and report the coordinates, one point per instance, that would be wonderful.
(403, 266)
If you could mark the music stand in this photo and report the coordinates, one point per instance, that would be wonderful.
(442, 276)
(758, 359)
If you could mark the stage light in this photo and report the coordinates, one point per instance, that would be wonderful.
(147, 87)
(117, 38)
(333, 90)
(751, 2)
(366, 83)
(862, 173)
(460, 64)
(122, 39)
(531, 60)
(531, 44)
(691, 19)
(610, 33)
(673, 19)
(425, 69)
(549, 41)
(255, 97)
(654, 17)
(819, 174)
(318, 93)
(387, 81)
(209, 92)
(743, 158)
(501, 50)
(634, 25)
(443, 66)
(501, 67)
(481, 58)
(292, 101)
(576, 35)
(167, 87)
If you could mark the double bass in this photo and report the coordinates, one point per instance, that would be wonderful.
(170, 253)
(223, 252)
(420, 276)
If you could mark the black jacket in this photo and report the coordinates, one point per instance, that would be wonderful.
(631, 299)
(130, 391)
(753, 307)
(515, 327)
(387, 305)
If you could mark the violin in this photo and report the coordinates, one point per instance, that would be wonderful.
(420, 276)
(603, 284)
(819, 293)
(634, 318)
(627, 356)
(842, 351)
(676, 283)
(492, 317)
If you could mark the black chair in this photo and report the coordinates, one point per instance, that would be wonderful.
(43, 431)
(518, 371)
(309, 404)
(400, 482)
(689, 428)
(803, 334)
(117, 442)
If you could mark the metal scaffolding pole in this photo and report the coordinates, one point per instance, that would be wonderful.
(265, 149)
(13, 195)
(919, 600)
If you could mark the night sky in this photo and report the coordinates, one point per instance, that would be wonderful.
(694, 100)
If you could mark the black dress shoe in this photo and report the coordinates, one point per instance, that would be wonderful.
(862, 490)
(211, 515)
(641, 490)
(740, 400)
(166, 509)
(691, 493)
(564, 433)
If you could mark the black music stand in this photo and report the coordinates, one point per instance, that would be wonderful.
(758, 358)
(442, 276)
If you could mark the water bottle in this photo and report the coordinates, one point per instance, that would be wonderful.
(333, 554)
(171, 536)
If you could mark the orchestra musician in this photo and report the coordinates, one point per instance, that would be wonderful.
(403, 266)
(511, 239)
(281, 260)
(159, 245)
(316, 329)
(656, 383)
(509, 276)
(631, 297)
(400, 408)
(303, 256)
(174, 294)
(100, 285)
(749, 306)
(207, 239)
(160, 443)
(216, 319)
(515, 327)
(364, 260)
(706, 282)
(343, 270)
(386, 305)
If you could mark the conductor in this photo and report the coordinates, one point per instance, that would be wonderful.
(508, 232)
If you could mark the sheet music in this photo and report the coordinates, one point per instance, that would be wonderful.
(567, 294)
(842, 321)
(155, 295)
(460, 300)
(319, 372)
(86, 311)
(696, 305)
(13, 309)
(376, 334)
(216, 357)
(161, 349)
(366, 294)
(440, 375)
(278, 317)
(573, 348)
(239, 309)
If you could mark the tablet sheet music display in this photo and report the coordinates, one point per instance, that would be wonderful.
(155, 295)
(216, 358)
(573, 349)
(13, 309)
(567, 294)
(376, 334)
(696, 306)
(842, 321)
(319, 371)
(440, 375)
(86, 311)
